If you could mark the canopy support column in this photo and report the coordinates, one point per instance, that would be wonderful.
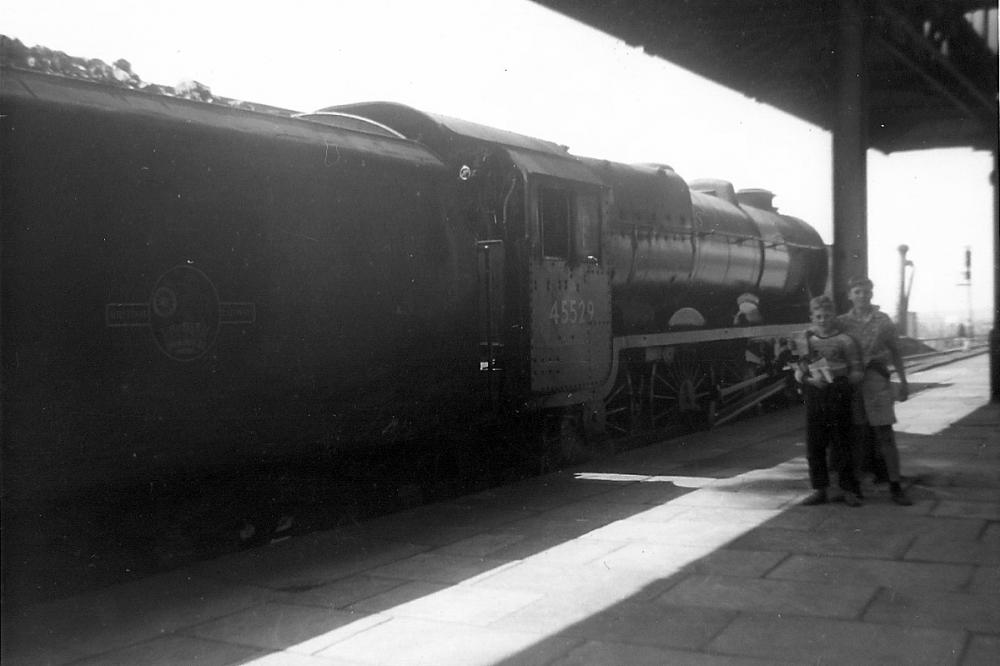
(850, 172)
(995, 332)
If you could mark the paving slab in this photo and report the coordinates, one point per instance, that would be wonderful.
(677, 530)
(172, 650)
(589, 515)
(889, 520)
(748, 594)
(930, 549)
(991, 535)
(664, 559)
(735, 498)
(543, 493)
(600, 652)
(844, 541)
(951, 610)
(654, 514)
(982, 651)
(311, 560)
(986, 580)
(416, 642)
(483, 544)
(294, 659)
(936, 489)
(729, 515)
(557, 614)
(124, 615)
(653, 624)
(648, 491)
(818, 640)
(578, 551)
(555, 580)
(283, 627)
(455, 603)
(988, 510)
(802, 517)
(437, 568)
(399, 595)
(874, 572)
(338, 594)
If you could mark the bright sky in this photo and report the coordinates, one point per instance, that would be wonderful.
(516, 66)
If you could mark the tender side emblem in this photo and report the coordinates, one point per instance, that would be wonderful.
(183, 313)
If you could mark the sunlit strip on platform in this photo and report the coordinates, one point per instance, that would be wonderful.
(632, 556)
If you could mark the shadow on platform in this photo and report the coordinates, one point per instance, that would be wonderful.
(690, 551)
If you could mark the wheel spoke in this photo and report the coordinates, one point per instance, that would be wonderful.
(621, 405)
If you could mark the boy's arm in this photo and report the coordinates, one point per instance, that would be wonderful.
(803, 375)
(856, 369)
(897, 362)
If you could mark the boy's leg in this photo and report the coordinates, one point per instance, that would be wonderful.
(887, 445)
(876, 462)
(871, 394)
(845, 446)
(816, 451)
(816, 446)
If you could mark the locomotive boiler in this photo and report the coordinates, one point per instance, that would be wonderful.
(188, 286)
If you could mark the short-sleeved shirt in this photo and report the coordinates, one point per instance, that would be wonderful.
(873, 332)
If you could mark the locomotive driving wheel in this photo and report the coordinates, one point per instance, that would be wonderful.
(623, 405)
(679, 390)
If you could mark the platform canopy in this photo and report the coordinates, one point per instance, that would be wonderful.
(930, 65)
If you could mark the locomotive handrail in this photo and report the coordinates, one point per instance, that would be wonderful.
(770, 243)
(691, 231)
(350, 116)
(629, 226)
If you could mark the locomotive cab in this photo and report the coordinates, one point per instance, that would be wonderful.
(544, 295)
(527, 218)
(569, 289)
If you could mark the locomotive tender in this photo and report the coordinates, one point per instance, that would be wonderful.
(188, 285)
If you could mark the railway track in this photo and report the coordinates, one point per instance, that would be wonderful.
(918, 362)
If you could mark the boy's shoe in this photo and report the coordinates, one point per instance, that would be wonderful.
(851, 499)
(817, 497)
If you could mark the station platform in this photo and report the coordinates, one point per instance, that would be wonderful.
(690, 551)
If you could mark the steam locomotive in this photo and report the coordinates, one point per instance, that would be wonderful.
(186, 285)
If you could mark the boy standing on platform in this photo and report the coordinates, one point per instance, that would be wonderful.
(874, 414)
(828, 371)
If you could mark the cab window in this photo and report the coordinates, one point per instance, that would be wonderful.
(587, 240)
(554, 217)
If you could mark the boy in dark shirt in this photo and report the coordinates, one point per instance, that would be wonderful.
(832, 365)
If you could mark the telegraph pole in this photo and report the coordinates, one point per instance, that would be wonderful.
(902, 304)
(995, 331)
(967, 283)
